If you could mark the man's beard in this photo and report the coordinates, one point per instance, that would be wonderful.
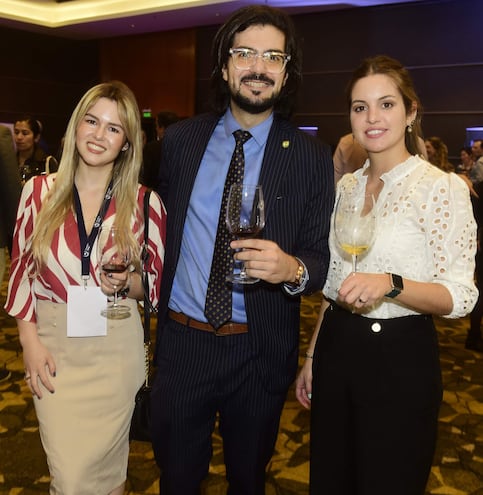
(255, 107)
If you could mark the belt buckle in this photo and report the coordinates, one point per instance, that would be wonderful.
(217, 332)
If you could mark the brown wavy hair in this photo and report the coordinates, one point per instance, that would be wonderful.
(383, 64)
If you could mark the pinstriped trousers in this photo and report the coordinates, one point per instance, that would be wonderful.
(202, 377)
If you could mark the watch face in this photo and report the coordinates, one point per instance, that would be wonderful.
(397, 282)
(397, 285)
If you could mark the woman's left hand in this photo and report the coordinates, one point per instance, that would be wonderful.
(364, 289)
(114, 282)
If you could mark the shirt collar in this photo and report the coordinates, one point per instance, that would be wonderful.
(259, 132)
(399, 171)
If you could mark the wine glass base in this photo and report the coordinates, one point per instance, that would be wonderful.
(116, 312)
(241, 280)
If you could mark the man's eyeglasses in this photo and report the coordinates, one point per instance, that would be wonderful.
(246, 58)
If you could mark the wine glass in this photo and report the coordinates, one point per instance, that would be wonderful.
(245, 218)
(355, 222)
(114, 257)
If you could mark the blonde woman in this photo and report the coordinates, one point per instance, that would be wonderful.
(83, 369)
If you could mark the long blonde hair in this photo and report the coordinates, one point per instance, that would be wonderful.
(60, 199)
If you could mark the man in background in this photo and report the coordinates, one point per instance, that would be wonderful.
(476, 172)
(152, 150)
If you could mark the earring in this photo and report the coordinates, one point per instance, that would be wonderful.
(410, 126)
(125, 147)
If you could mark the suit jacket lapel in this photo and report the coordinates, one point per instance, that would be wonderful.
(277, 157)
(199, 137)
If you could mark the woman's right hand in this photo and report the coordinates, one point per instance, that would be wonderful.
(38, 361)
(303, 384)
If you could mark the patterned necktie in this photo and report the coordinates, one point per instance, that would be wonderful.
(218, 296)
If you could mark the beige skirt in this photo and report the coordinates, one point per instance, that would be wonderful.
(84, 425)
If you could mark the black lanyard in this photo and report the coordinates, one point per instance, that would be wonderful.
(86, 242)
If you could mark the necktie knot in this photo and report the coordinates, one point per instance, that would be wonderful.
(241, 137)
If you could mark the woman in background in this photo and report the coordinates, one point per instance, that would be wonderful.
(32, 159)
(83, 369)
(372, 375)
(438, 153)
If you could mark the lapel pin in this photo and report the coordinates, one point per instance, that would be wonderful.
(285, 144)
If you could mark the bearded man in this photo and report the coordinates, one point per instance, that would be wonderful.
(237, 367)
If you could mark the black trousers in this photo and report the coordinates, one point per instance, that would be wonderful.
(376, 394)
(202, 377)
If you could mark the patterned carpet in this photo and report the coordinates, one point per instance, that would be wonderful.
(457, 470)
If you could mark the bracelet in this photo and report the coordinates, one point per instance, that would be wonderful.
(309, 356)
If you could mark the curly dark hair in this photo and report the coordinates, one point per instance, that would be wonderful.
(243, 18)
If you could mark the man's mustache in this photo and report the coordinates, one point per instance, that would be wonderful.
(259, 78)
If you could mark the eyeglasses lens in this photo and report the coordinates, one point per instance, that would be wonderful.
(274, 62)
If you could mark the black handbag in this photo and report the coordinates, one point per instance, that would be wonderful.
(141, 418)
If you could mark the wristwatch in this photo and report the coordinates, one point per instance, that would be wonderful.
(300, 276)
(397, 285)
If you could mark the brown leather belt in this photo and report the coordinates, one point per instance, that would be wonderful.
(229, 328)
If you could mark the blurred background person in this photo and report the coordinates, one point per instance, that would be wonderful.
(32, 159)
(463, 170)
(438, 153)
(476, 174)
(152, 150)
(474, 339)
(348, 156)
(466, 161)
(10, 188)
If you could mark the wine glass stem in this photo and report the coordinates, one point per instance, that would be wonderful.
(243, 271)
(354, 263)
(114, 302)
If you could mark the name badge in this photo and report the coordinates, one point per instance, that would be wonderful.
(84, 306)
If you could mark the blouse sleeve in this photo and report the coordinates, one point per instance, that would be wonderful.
(20, 296)
(156, 243)
(452, 238)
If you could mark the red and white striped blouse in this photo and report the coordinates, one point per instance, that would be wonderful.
(63, 267)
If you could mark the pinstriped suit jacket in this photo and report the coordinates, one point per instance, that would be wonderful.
(297, 180)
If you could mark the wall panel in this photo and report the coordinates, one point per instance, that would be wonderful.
(44, 76)
(158, 67)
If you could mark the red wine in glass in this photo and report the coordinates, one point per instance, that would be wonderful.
(245, 219)
(113, 257)
(114, 268)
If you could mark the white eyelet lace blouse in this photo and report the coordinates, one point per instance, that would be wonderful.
(425, 232)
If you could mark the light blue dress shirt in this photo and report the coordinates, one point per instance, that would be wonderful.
(193, 271)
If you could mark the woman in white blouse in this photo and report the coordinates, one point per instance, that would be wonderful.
(372, 375)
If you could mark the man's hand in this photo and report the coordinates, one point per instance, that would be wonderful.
(265, 260)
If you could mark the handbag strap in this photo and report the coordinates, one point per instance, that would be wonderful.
(145, 280)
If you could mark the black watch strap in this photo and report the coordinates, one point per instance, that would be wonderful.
(397, 285)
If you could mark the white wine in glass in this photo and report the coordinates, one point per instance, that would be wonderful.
(354, 223)
(245, 218)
